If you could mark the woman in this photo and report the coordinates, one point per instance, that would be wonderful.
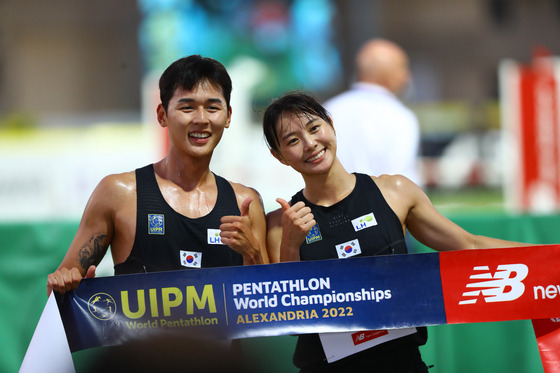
(300, 134)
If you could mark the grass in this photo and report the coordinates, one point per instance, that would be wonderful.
(467, 200)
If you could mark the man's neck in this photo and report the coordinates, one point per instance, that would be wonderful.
(187, 173)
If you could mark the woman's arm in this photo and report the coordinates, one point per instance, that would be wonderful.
(426, 224)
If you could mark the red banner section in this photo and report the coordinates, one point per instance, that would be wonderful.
(501, 284)
(507, 284)
(547, 332)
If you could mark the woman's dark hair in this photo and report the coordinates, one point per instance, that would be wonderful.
(189, 71)
(291, 103)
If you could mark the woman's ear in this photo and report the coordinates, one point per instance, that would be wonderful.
(332, 123)
(278, 156)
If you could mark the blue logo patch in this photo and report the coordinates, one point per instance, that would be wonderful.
(314, 235)
(156, 224)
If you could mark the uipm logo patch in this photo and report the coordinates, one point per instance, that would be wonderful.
(314, 235)
(504, 286)
(156, 224)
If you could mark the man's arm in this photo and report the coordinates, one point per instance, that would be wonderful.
(91, 241)
(273, 235)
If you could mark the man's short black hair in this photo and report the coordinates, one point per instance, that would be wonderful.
(187, 72)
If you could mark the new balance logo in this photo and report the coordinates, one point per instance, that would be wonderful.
(504, 286)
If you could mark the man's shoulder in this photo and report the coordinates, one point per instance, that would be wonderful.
(125, 177)
(242, 190)
(114, 192)
(124, 182)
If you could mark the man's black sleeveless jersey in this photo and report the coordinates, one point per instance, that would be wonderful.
(166, 240)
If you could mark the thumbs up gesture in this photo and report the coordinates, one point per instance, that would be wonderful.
(297, 221)
(237, 233)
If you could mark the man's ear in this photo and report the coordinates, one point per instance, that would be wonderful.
(228, 121)
(278, 156)
(161, 116)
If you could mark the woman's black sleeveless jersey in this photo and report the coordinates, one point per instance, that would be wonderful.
(362, 224)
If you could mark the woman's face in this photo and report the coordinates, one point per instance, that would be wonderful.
(306, 143)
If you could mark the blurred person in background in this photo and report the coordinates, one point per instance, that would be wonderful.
(376, 133)
(301, 135)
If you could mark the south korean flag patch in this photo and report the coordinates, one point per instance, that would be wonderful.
(348, 249)
(191, 259)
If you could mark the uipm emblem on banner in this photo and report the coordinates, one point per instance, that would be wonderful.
(102, 306)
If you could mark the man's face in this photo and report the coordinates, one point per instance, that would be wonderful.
(196, 119)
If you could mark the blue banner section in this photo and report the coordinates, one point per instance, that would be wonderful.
(382, 292)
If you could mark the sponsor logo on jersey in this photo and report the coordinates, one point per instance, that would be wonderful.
(348, 249)
(314, 235)
(156, 224)
(363, 222)
(504, 286)
(214, 237)
(191, 259)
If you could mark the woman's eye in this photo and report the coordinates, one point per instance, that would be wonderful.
(292, 141)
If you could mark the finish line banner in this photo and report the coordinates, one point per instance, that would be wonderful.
(384, 292)
(253, 301)
(370, 293)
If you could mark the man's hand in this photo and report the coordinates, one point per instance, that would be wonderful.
(64, 279)
(237, 233)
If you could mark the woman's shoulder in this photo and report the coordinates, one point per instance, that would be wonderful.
(392, 181)
(397, 186)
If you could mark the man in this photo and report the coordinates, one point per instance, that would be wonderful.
(166, 216)
(376, 133)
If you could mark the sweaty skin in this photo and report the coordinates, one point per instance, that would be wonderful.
(308, 144)
(196, 121)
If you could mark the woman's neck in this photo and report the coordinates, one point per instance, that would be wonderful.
(329, 188)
